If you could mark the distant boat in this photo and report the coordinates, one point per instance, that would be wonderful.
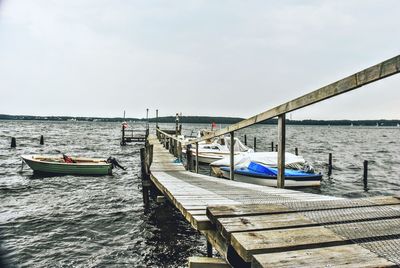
(68, 165)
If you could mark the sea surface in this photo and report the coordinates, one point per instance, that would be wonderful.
(87, 221)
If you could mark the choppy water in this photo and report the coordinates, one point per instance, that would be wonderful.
(89, 221)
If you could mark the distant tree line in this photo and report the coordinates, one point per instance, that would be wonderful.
(206, 120)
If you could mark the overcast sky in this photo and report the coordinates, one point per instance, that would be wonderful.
(218, 58)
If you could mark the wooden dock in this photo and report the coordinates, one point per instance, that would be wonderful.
(259, 226)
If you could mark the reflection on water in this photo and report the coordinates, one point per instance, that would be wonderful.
(89, 221)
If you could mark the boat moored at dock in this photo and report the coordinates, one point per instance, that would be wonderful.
(65, 165)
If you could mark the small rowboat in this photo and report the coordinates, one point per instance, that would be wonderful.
(75, 165)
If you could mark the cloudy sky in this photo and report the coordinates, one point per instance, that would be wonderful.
(217, 57)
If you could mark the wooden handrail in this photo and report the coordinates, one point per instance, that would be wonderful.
(362, 78)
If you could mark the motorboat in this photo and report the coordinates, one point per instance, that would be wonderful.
(217, 149)
(261, 168)
(69, 165)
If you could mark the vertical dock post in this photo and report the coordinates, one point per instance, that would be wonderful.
(13, 142)
(272, 146)
(330, 164)
(209, 250)
(176, 124)
(365, 175)
(276, 147)
(123, 135)
(255, 144)
(41, 140)
(179, 150)
(144, 175)
(189, 160)
(197, 157)
(232, 159)
(296, 151)
(281, 150)
(245, 139)
(170, 145)
(157, 118)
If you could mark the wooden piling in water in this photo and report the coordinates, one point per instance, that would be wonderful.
(245, 139)
(272, 146)
(13, 142)
(145, 178)
(209, 250)
(330, 164)
(232, 157)
(41, 140)
(365, 175)
(197, 157)
(296, 151)
(255, 144)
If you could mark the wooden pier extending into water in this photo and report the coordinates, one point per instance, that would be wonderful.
(260, 226)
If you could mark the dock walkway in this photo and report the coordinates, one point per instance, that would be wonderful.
(260, 226)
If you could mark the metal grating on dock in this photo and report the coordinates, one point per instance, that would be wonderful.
(261, 226)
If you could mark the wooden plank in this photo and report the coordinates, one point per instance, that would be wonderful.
(214, 212)
(247, 244)
(346, 256)
(296, 220)
(206, 262)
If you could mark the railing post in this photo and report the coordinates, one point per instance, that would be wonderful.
(189, 160)
(281, 151)
(232, 157)
(197, 157)
(157, 118)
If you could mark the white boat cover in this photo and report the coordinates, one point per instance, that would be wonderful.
(269, 159)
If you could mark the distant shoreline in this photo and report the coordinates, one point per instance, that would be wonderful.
(204, 120)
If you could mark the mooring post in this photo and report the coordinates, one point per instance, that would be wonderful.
(209, 250)
(123, 135)
(189, 160)
(281, 150)
(180, 150)
(245, 139)
(41, 140)
(276, 147)
(13, 142)
(272, 146)
(197, 157)
(150, 154)
(157, 118)
(176, 124)
(330, 164)
(365, 175)
(145, 178)
(232, 155)
(296, 151)
(255, 144)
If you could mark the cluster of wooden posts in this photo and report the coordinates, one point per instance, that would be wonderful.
(14, 141)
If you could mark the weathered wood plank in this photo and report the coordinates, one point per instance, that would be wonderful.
(247, 244)
(260, 209)
(296, 220)
(346, 256)
(206, 262)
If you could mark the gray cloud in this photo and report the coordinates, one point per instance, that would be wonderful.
(229, 58)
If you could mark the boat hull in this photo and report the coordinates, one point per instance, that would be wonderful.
(272, 181)
(68, 168)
